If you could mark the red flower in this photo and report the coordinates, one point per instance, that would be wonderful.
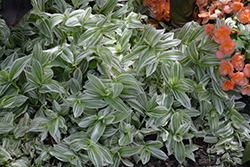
(221, 33)
(226, 68)
(227, 46)
(238, 61)
(227, 85)
(245, 90)
(239, 79)
(247, 70)
(208, 28)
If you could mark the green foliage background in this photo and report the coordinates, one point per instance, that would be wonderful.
(85, 83)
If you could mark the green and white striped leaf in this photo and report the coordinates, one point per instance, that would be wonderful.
(74, 86)
(209, 61)
(87, 121)
(186, 30)
(219, 92)
(182, 98)
(98, 131)
(147, 57)
(44, 27)
(105, 55)
(179, 151)
(197, 34)
(236, 116)
(6, 127)
(117, 104)
(37, 72)
(97, 84)
(62, 153)
(107, 157)
(175, 122)
(127, 152)
(145, 155)
(171, 55)
(213, 121)
(129, 81)
(218, 104)
(108, 6)
(56, 19)
(18, 66)
(135, 53)
(157, 153)
(166, 44)
(193, 53)
(116, 89)
(151, 68)
(78, 108)
(67, 54)
(4, 155)
(11, 101)
(176, 73)
(95, 155)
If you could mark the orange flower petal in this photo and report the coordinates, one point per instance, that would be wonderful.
(245, 90)
(227, 46)
(226, 68)
(239, 78)
(208, 28)
(219, 54)
(247, 70)
(221, 33)
(238, 61)
(236, 6)
(244, 16)
(227, 85)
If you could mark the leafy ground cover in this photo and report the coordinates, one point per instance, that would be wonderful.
(88, 83)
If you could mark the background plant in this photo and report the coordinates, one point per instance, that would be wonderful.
(86, 82)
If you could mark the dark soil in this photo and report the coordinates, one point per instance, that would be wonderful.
(201, 156)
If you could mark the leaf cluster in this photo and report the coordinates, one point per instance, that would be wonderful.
(86, 83)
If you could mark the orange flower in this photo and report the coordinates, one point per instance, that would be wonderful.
(161, 10)
(227, 46)
(239, 79)
(227, 85)
(236, 6)
(221, 33)
(245, 90)
(147, 2)
(244, 16)
(201, 3)
(219, 54)
(247, 70)
(208, 28)
(238, 61)
(226, 68)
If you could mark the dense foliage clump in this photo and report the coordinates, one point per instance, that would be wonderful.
(85, 83)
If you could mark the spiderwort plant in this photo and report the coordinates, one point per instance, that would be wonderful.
(92, 84)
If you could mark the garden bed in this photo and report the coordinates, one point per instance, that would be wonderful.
(89, 83)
